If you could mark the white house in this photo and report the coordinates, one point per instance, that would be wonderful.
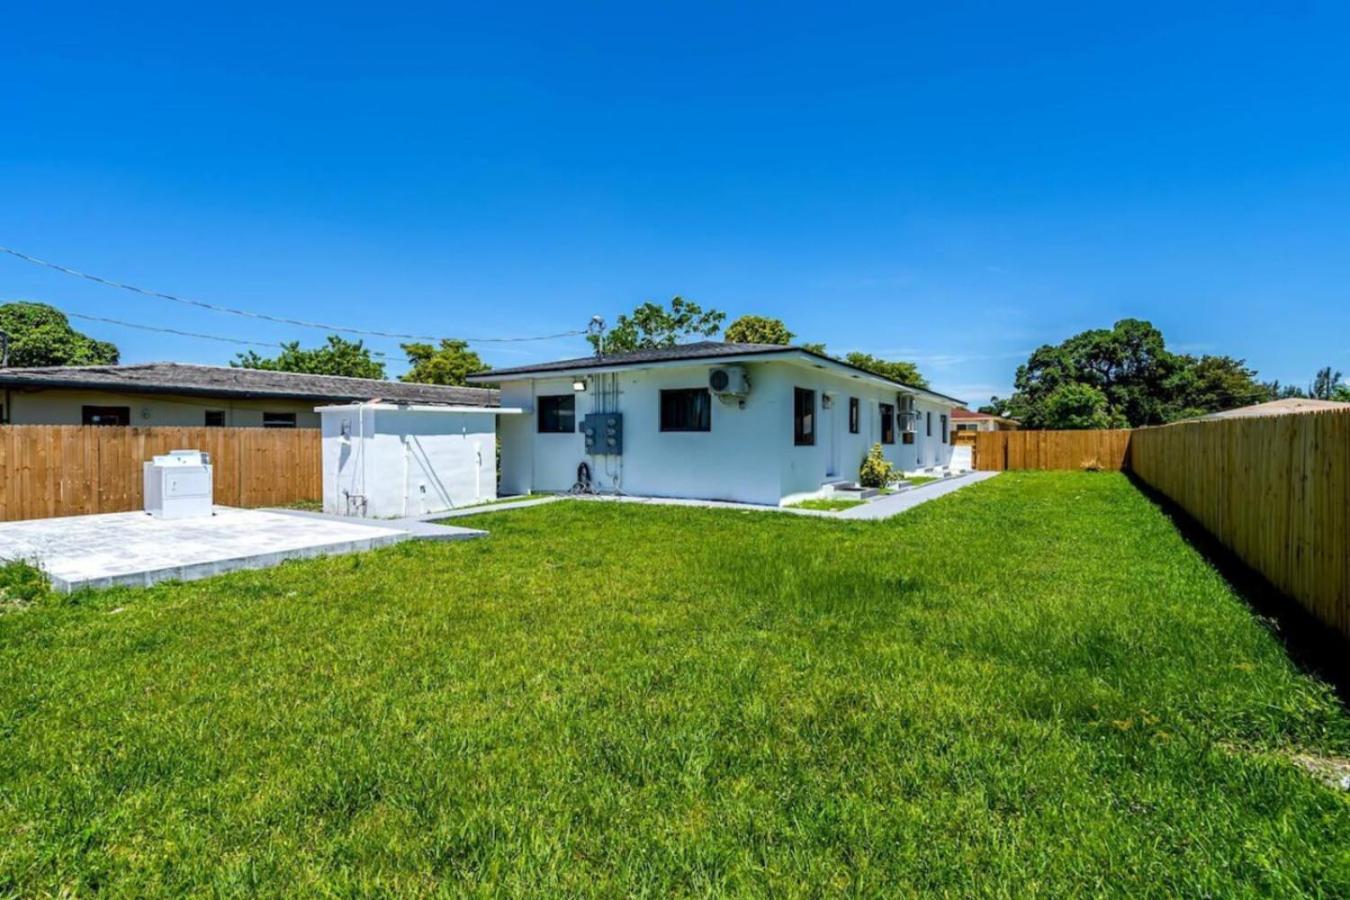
(385, 460)
(755, 423)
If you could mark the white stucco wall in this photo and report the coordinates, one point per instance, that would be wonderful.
(63, 407)
(748, 455)
(407, 462)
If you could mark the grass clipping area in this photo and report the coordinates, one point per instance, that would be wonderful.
(1032, 686)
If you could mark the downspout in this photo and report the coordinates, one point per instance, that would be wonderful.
(404, 438)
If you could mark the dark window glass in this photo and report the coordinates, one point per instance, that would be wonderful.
(853, 417)
(944, 428)
(278, 420)
(558, 414)
(887, 423)
(907, 437)
(215, 418)
(686, 409)
(928, 424)
(105, 415)
(803, 417)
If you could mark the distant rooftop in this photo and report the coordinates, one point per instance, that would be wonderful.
(223, 381)
(971, 414)
(698, 350)
(1278, 408)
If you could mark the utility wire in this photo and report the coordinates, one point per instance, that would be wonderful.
(270, 318)
(192, 334)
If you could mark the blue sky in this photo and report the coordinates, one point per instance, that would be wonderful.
(950, 183)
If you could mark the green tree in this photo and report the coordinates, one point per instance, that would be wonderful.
(40, 335)
(758, 330)
(1327, 385)
(1075, 405)
(337, 356)
(1208, 384)
(652, 325)
(813, 347)
(450, 363)
(1129, 365)
(897, 370)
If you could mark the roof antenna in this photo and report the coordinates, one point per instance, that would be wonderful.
(597, 328)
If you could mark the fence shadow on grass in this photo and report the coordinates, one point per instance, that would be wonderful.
(1314, 647)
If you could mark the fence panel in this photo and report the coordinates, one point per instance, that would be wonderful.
(67, 470)
(999, 450)
(1275, 490)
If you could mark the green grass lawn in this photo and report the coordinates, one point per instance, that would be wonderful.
(827, 504)
(916, 480)
(1032, 686)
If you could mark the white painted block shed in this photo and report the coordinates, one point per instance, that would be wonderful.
(382, 460)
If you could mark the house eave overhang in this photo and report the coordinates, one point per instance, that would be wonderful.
(790, 355)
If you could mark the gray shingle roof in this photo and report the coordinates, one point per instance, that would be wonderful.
(222, 381)
(693, 351)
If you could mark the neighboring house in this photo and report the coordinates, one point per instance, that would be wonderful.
(190, 395)
(757, 423)
(965, 420)
(1277, 408)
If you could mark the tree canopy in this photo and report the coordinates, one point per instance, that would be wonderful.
(1133, 379)
(652, 325)
(337, 356)
(896, 370)
(1327, 385)
(41, 335)
(451, 363)
(758, 330)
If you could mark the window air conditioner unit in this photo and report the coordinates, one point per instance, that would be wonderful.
(729, 381)
(905, 412)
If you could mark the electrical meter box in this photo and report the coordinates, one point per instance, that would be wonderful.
(604, 433)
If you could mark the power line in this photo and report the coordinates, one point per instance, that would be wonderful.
(201, 304)
(192, 334)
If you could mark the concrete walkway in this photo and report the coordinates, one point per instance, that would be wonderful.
(895, 504)
(879, 508)
(417, 527)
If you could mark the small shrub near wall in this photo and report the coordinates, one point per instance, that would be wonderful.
(876, 470)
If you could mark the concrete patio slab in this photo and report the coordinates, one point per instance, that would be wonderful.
(134, 548)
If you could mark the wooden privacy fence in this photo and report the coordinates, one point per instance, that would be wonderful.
(1275, 490)
(67, 470)
(999, 450)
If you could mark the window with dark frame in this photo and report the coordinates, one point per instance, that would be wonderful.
(686, 409)
(928, 424)
(887, 423)
(215, 418)
(943, 417)
(803, 417)
(557, 414)
(854, 418)
(278, 420)
(105, 415)
(907, 437)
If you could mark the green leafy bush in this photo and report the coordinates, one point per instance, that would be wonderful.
(21, 582)
(876, 470)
